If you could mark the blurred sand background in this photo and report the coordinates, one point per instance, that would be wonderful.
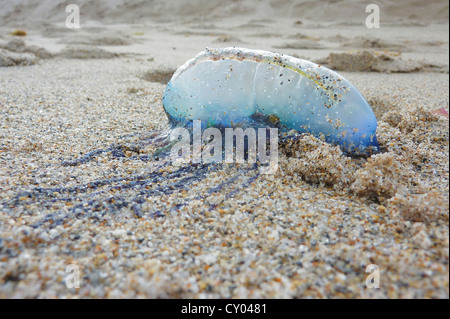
(80, 109)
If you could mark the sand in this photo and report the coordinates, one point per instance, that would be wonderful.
(80, 113)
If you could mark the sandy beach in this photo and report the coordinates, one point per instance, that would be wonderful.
(81, 112)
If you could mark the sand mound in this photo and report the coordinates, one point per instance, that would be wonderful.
(316, 161)
(102, 40)
(382, 176)
(423, 208)
(302, 45)
(412, 143)
(162, 76)
(86, 53)
(366, 61)
(12, 59)
(372, 43)
(16, 52)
